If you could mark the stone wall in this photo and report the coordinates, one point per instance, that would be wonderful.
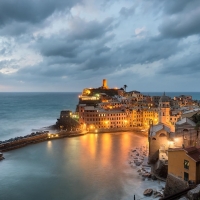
(194, 194)
(161, 169)
(174, 185)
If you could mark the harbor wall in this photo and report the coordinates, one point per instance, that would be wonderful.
(31, 139)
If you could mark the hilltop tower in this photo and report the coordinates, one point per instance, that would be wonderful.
(104, 85)
(164, 109)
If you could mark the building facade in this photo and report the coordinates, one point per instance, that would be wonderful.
(185, 163)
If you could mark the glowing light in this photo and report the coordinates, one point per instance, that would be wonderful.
(176, 139)
(96, 131)
(91, 126)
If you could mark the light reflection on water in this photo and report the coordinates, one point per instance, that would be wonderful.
(93, 166)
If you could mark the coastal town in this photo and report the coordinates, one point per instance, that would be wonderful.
(172, 126)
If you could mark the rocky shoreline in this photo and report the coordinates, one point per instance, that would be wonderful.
(138, 160)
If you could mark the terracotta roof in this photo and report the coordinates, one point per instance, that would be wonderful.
(194, 153)
(190, 149)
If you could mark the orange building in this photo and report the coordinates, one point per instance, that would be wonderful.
(97, 118)
(185, 163)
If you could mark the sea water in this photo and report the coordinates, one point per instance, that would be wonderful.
(23, 113)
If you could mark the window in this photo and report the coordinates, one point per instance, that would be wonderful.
(186, 176)
(163, 114)
(186, 164)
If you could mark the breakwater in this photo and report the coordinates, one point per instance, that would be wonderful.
(42, 136)
(32, 138)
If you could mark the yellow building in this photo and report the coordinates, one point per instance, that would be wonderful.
(137, 117)
(185, 163)
(143, 117)
(150, 116)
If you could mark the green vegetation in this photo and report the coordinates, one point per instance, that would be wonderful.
(125, 86)
(196, 118)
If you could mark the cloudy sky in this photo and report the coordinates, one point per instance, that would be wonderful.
(67, 45)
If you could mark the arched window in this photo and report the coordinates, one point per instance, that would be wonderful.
(163, 114)
(153, 138)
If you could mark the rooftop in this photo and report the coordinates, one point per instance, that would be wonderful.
(164, 98)
(154, 129)
(185, 120)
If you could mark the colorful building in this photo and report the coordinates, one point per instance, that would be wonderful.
(185, 163)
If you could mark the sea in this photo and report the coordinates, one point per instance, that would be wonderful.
(90, 167)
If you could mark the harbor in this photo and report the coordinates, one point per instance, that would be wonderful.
(97, 164)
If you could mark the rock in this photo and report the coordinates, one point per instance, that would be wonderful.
(153, 177)
(146, 175)
(148, 192)
(174, 185)
(138, 163)
(194, 194)
(158, 194)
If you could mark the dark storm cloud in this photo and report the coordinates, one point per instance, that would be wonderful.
(180, 18)
(15, 28)
(81, 30)
(147, 50)
(102, 50)
(66, 57)
(72, 43)
(58, 47)
(32, 11)
(173, 7)
(85, 48)
(190, 65)
(182, 25)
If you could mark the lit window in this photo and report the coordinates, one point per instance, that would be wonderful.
(186, 164)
